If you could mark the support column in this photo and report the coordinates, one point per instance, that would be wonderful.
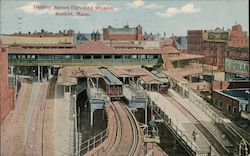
(146, 114)
(49, 72)
(158, 88)
(64, 90)
(91, 116)
(97, 84)
(88, 82)
(42, 73)
(124, 78)
(70, 90)
(11, 71)
(133, 80)
(38, 73)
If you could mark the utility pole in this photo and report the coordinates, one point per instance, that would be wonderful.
(19, 24)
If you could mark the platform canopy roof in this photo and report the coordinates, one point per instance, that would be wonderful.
(127, 71)
(65, 78)
(89, 47)
(149, 78)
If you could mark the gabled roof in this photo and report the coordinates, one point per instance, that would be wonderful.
(170, 49)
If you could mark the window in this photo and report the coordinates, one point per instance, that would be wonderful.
(108, 56)
(86, 57)
(215, 101)
(97, 56)
(67, 56)
(126, 56)
(156, 56)
(77, 56)
(66, 89)
(134, 56)
(150, 56)
(234, 110)
(220, 103)
(142, 56)
(118, 56)
(58, 56)
(229, 108)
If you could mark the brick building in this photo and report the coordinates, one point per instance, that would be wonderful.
(238, 38)
(237, 55)
(43, 37)
(125, 33)
(232, 98)
(218, 45)
(195, 38)
(210, 43)
(7, 94)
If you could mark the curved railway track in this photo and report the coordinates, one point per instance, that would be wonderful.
(209, 136)
(128, 133)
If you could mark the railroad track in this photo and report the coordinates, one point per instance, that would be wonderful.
(18, 137)
(222, 151)
(47, 121)
(128, 133)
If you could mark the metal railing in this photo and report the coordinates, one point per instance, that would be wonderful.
(196, 99)
(83, 61)
(81, 87)
(183, 139)
(93, 142)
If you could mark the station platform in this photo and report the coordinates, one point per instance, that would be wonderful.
(136, 99)
(182, 122)
(203, 117)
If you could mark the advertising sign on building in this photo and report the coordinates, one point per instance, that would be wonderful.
(237, 66)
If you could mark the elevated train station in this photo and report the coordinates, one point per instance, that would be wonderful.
(102, 74)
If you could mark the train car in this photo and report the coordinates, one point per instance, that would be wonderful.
(166, 84)
(111, 84)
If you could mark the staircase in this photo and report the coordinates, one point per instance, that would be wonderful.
(167, 63)
(81, 87)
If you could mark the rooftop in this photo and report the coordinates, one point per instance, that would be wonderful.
(88, 47)
(110, 78)
(241, 94)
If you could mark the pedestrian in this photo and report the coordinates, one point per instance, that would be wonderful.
(194, 135)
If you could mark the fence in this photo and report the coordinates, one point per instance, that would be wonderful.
(196, 99)
(183, 139)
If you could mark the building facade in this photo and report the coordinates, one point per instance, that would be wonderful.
(218, 45)
(125, 33)
(43, 37)
(237, 55)
(7, 94)
(195, 38)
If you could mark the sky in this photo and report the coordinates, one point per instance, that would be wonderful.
(170, 16)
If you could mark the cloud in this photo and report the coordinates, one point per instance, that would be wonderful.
(186, 9)
(32, 8)
(152, 6)
(136, 4)
(142, 4)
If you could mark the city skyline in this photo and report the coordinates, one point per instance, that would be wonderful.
(154, 16)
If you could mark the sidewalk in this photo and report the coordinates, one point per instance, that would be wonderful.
(63, 122)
